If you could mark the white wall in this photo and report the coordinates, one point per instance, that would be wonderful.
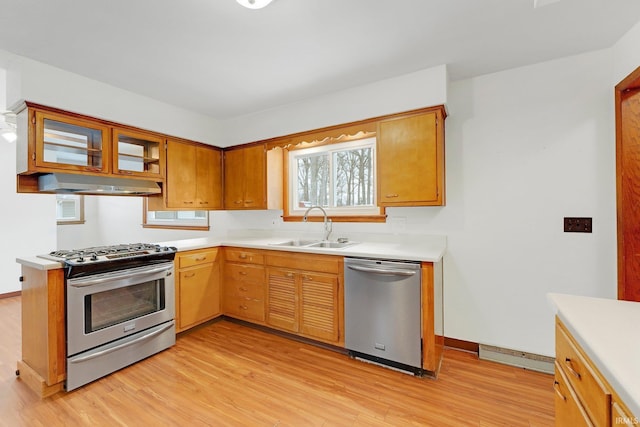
(423, 88)
(524, 148)
(37, 82)
(25, 227)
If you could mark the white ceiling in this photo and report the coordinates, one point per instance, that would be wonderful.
(220, 59)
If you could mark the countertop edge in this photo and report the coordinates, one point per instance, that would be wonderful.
(621, 372)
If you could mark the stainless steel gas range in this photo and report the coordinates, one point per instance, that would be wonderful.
(120, 307)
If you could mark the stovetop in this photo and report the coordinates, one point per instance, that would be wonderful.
(106, 253)
(109, 258)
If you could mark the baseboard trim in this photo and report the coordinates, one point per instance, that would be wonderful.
(521, 359)
(471, 347)
(11, 294)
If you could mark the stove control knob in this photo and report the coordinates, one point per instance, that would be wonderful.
(158, 248)
(94, 257)
(80, 256)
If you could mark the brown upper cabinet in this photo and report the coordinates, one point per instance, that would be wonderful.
(55, 142)
(138, 153)
(193, 177)
(248, 182)
(411, 159)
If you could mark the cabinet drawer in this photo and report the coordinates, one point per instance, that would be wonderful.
(297, 261)
(244, 289)
(569, 412)
(581, 376)
(243, 307)
(244, 273)
(196, 258)
(246, 256)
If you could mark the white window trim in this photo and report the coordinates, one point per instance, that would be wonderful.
(292, 185)
(149, 220)
(78, 217)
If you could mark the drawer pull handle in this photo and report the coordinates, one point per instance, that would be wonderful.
(243, 307)
(243, 289)
(238, 202)
(567, 362)
(389, 196)
(242, 256)
(242, 273)
(201, 259)
(248, 201)
(188, 275)
(558, 392)
(308, 278)
(187, 202)
(289, 275)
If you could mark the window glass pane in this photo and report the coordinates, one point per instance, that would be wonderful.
(354, 177)
(313, 180)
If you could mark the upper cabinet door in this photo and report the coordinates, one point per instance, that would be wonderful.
(73, 144)
(410, 153)
(138, 153)
(180, 185)
(208, 178)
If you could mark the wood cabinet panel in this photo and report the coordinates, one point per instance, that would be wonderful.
(244, 308)
(199, 295)
(582, 378)
(244, 256)
(197, 287)
(137, 153)
(569, 412)
(411, 154)
(319, 306)
(282, 299)
(245, 179)
(306, 262)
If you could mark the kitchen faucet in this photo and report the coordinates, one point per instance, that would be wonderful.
(328, 226)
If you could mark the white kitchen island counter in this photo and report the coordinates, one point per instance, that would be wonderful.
(607, 330)
(424, 248)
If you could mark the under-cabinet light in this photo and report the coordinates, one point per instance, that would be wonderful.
(254, 4)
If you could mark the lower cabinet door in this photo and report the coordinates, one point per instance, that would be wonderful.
(319, 306)
(199, 295)
(282, 304)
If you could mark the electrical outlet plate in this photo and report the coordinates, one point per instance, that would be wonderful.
(578, 225)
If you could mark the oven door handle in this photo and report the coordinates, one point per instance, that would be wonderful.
(82, 282)
(123, 345)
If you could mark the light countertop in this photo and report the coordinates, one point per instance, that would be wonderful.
(607, 331)
(394, 247)
(424, 248)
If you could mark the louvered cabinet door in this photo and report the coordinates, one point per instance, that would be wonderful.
(282, 299)
(319, 306)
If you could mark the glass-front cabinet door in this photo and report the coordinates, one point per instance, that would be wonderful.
(64, 142)
(137, 153)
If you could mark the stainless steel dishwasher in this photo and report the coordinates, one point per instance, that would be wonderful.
(383, 312)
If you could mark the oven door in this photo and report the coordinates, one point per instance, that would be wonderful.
(105, 307)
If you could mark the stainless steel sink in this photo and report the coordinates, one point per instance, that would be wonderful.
(314, 244)
(296, 243)
(332, 245)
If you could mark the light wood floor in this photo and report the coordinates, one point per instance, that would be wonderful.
(226, 374)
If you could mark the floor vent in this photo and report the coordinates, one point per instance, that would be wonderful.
(521, 359)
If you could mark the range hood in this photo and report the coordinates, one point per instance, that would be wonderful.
(96, 185)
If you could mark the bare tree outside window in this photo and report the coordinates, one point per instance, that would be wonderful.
(336, 176)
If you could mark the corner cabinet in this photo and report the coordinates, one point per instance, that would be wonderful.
(410, 149)
(253, 177)
(193, 178)
(197, 287)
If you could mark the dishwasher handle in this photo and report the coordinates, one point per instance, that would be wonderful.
(384, 271)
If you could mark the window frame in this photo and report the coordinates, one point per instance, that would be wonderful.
(78, 218)
(374, 214)
(330, 150)
(172, 224)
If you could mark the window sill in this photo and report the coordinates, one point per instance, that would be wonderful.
(338, 218)
(177, 227)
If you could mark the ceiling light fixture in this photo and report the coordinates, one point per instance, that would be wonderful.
(254, 4)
